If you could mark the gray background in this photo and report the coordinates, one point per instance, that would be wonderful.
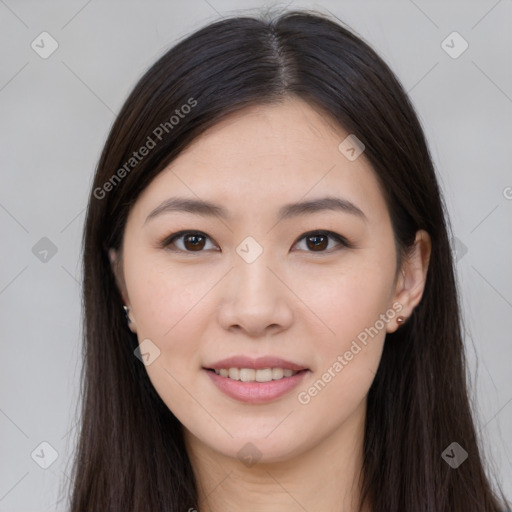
(56, 113)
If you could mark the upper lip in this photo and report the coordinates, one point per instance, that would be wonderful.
(255, 363)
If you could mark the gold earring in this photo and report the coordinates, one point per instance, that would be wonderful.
(400, 320)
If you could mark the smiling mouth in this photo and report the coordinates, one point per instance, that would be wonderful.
(255, 375)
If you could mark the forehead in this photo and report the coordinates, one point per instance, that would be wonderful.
(264, 156)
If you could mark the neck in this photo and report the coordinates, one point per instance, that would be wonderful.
(325, 477)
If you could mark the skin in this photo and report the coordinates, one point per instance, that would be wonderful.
(293, 301)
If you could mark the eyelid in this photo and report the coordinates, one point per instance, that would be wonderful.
(169, 240)
(325, 232)
(342, 241)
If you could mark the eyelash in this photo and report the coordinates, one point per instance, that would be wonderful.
(169, 240)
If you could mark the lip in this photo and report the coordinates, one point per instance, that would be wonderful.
(256, 392)
(256, 363)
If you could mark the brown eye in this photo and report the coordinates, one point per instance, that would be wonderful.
(193, 242)
(318, 241)
(186, 241)
(196, 241)
(315, 242)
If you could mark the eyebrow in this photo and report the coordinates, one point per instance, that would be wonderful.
(210, 209)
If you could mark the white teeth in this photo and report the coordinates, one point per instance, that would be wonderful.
(277, 373)
(264, 375)
(252, 375)
(234, 373)
(247, 374)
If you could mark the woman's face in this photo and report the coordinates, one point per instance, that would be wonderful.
(258, 278)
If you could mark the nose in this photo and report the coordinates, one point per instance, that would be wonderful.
(255, 300)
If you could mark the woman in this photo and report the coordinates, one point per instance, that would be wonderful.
(271, 316)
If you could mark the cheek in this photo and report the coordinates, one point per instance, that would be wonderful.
(347, 301)
(347, 358)
(350, 302)
(353, 313)
(164, 297)
(168, 307)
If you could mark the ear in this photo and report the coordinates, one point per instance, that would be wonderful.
(117, 269)
(413, 274)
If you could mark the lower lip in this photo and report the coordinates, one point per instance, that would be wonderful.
(256, 392)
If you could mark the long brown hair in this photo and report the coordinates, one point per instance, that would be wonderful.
(130, 453)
